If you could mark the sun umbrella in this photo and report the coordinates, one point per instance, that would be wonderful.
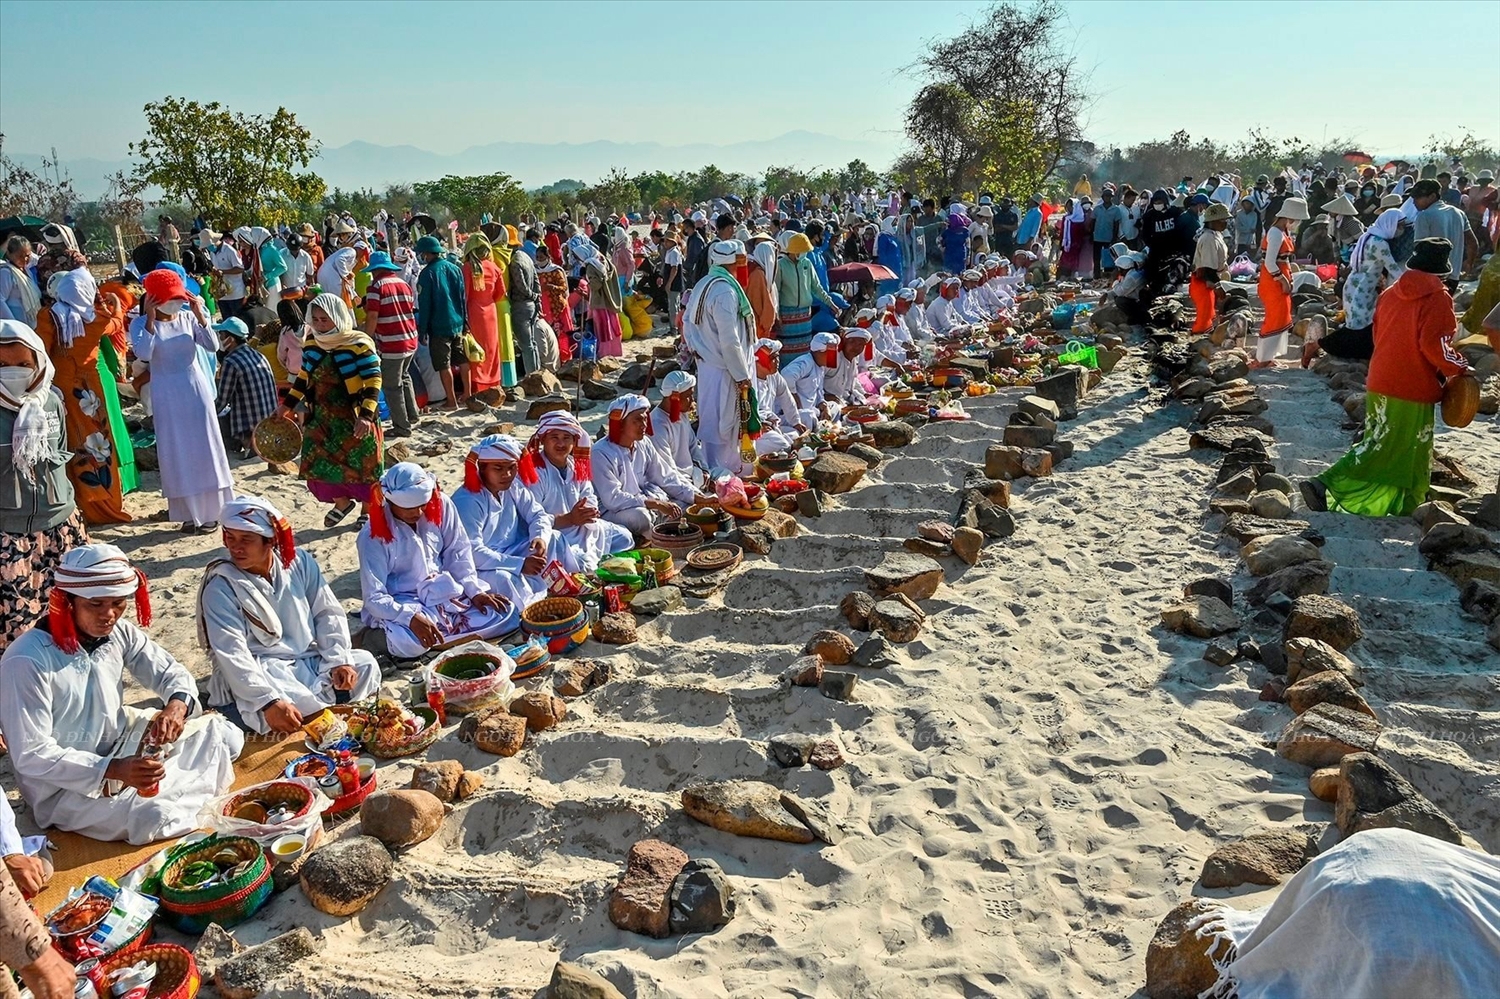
(854, 273)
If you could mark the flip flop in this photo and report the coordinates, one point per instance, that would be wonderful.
(335, 517)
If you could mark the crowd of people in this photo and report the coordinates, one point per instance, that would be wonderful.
(787, 315)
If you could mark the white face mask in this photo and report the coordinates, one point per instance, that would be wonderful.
(16, 381)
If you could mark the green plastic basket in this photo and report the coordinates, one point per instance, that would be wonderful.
(1076, 353)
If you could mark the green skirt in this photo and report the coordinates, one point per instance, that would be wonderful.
(109, 374)
(1386, 474)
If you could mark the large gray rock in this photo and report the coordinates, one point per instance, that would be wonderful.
(1325, 734)
(649, 603)
(401, 818)
(1325, 619)
(342, 877)
(1481, 599)
(897, 620)
(917, 576)
(892, 433)
(1245, 528)
(574, 981)
(702, 898)
(1373, 796)
(1273, 553)
(1300, 580)
(1203, 617)
(836, 473)
(1267, 857)
(254, 972)
(1465, 567)
(1307, 656)
(1445, 539)
(1065, 389)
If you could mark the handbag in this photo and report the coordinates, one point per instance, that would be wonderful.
(472, 349)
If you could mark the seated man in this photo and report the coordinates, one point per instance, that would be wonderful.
(842, 384)
(86, 762)
(911, 311)
(24, 858)
(416, 571)
(275, 633)
(969, 305)
(942, 318)
(780, 419)
(556, 471)
(891, 338)
(507, 528)
(636, 485)
(671, 430)
(807, 373)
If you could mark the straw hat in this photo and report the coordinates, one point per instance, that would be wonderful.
(1216, 212)
(1390, 201)
(1293, 208)
(1340, 206)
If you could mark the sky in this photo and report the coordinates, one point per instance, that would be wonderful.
(407, 73)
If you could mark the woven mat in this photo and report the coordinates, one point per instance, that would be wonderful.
(78, 858)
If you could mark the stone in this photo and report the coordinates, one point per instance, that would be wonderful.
(438, 778)
(1325, 734)
(599, 391)
(856, 607)
(214, 947)
(1223, 436)
(876, 652)
(1465, 567)
(1210, 586)
(832, 647)
(1191, 389)
(1481, 599)
(806, 672)
(1430, 514)
(1271, 503)
(254, 971)
(871, 456)
(997, 491)
(1492, 634)
(1266, 857)
(1327, 687)
(1035, 405)
(1221, 653)
(896, 621)
(501, 733)
(573, 981)
(891, 433)
(401, 818)
(1307, 657)
(470, 784)
(985, 517)
(540, 709)
(754, 537)
(1371, 795)
(826, 755)
(835, 473)
(1177, 961)
(702, 898)
(1244, 403)
(342, 877)
(1002, 461)
(838, 685)
(1020, 436)
(1272, 690)
(936, 530)
(1060, 451)
(791, 749)
(814, 817)
(1293, 582)
(1272, 553)
(540, 383)
(781, 525)
(1249, 648)
(1240, 485)
(745, 808)
(1444, 539)
(968, 543)
(579, 676)
(548, 404)
(616, 629)
(649, 603)
(1324, 784)
(572, 371)
(1279, 605)
(921, 546)
(1245, 529)
(1325, 619)
(917, 576)
(1227, 367)
(1203, 617)
(641, 901)
(810, 503)
(633, 377)
(1065, 389)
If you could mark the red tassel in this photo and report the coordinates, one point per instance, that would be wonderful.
(433, 511)
(526, 469)
(380, 525)
(286, 543)
(615, 425)
(60, 621)
(765, 358)
(831, 357)
(869, 350)
(142, 600)
(674, 407)
(583, 471)
(471, 473)
(742, 275)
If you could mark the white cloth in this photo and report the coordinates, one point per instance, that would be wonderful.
(66, 720)
(722, 340)
(941, 317)
(276, 639)
(778, 406)
(842, 381)
(624, 478)
(427, 570)
(337, 266)
(189, 448)
(1386, 914)
(581, 548)
(299, 269)
(1274, 240)
(806, 378)
(676, 441)
(227, 258)
(501, 531)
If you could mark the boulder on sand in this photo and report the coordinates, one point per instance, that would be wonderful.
(401, 818)
(836, 473)
(1203, 617)
(917, 576)
(342, 877)
(1266, 857)
(1371, 795)
(1323, 735)
(642, 900)
(1177, 961)
(745, 808)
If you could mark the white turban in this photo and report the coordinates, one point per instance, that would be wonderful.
(864, 314)
(951, 280)
(856, 333)
(823, 341)
(250, 513)
(725, 251)
(407, 484)
(932, 282)
(498, 447)
(558, 420)
(628, 404)
(971, 275)
(677, 381)
(885, 301)
(772, 346)
(907, 295)
(97, 572)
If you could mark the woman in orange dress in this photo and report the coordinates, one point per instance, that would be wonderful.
(484, 288)
(75, 320)
(1275, 283)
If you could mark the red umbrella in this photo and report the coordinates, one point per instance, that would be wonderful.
(1358, 157)
(854, 273)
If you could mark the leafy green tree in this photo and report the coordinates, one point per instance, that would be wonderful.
(615, 192)
(231, 167)
(468, 198)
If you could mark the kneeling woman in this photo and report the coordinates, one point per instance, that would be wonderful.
(507, 528)
(275, 633)
(416, 571)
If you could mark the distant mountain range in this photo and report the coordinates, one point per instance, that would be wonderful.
(361, 164)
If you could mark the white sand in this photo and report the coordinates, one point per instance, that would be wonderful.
(1026, 795)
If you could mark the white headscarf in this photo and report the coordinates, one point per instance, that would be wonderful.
(765, 255)
(31, 437)
(498, 447)
(252, 514)
(74, 293)
(97, 572)
(1384, 227)
(677, 381)
(725, 252)
(343, 333)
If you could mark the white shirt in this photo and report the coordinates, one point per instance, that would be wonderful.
(336, 267)
(676, 442)
(778, 406)
(672, 258)
(298, 269)
(714, 329)
(625, 477)
(227, 258)
(805, 376)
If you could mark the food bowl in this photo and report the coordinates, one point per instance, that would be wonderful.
(366, 765)
(314, 765)
(288, 849)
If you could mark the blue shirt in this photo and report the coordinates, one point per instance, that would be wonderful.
(1031, 225)
(529, 248)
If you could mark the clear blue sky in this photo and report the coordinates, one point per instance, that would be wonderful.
(572, 72)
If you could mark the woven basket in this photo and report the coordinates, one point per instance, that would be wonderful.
(553, 616)
(278, 439)
(191, 909)
(539, 655)
(424, 738)
(676, 537)
(271, 795)
(176, 972)
(716, 557)
(353, 799)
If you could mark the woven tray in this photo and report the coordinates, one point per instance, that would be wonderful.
(715, 557)
(278, 440)
(426, 737)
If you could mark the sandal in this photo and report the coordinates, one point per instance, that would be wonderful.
(335, 517)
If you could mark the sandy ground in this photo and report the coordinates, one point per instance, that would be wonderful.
(1026, 796)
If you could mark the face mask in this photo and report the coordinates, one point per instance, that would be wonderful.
(16, 381)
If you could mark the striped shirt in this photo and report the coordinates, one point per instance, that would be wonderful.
(390, 301)
(357, 366)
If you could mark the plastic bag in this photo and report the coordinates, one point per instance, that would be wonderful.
(1242, 267)
(731, 492)
(464, 696)
(211, 816)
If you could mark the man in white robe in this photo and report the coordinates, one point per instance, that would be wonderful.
(807, 375)
(968, 305)
(635, 484)
(780, 417)
(75, 745)
(911, 309)
(718, 328)
(507, 527)
(557, 471)
(416, 571)
(276, 635)
(672, 431)
(841, 384)
(942, 318)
